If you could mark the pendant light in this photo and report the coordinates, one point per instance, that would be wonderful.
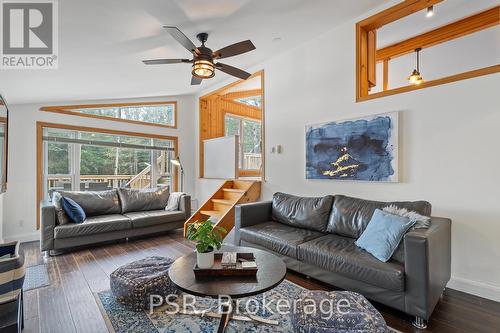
(415, 78)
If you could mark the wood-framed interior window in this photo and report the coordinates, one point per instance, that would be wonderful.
(76, 158)
(162, 114)
(368, 55)
(243, 99)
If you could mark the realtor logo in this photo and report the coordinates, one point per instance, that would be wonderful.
(29, 34)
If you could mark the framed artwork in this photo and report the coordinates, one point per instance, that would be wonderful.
(364, 149)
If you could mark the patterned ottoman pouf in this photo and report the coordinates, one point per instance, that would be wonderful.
(132, 284)
(350, 312)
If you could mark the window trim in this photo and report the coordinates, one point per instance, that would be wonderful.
(67, 110)
(4, 161)
(40, 125)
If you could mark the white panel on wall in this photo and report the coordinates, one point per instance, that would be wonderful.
(221, 157)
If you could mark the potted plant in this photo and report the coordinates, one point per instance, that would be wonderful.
(207, 238)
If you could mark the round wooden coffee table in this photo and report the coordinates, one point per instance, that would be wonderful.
(271, 272)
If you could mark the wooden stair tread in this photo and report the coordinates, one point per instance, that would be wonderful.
(220, 207)
(224, 202)
(216, 213)
(235, 190)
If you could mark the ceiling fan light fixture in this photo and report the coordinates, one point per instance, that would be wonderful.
(203, 69)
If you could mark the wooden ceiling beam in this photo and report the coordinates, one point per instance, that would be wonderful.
(463, 27)
(396, 12)
(242, 106)
(243, 94)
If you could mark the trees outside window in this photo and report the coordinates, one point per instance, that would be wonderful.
(84, 161)
(249, 132)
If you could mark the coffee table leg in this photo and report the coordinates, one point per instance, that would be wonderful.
(227, 313)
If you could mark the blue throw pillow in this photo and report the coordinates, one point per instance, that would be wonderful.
(383, 234)
(74, 211)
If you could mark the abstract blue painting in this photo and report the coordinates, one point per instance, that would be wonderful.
(363, 149)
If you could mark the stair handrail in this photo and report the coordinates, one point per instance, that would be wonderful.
(143, 173)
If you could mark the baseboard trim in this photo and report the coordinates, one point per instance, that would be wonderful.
(480, 289)
(23, 238)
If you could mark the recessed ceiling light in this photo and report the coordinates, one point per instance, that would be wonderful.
(430, 11)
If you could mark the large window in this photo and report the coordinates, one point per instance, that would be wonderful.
(93, 161)
(157, 113)
(249, 132)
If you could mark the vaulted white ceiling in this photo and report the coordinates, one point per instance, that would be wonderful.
(102, 43)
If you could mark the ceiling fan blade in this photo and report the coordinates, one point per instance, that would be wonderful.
(181, 38)
(164, 61)
(233, 71)
(235, 49)
(195, 81)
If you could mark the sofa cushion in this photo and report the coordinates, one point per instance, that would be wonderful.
(278, 237)
(155, 217)
(93, 225)
(95, 203)
(301, 212)
(340, 254)
(134, 200)
(350, 216)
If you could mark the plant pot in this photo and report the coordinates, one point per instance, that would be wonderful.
(205, 260)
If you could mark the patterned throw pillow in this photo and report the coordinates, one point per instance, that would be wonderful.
(74, 211)
(62, 218)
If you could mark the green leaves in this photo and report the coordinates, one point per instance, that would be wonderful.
(206, 236)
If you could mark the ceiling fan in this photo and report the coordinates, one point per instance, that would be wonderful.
(203, 58)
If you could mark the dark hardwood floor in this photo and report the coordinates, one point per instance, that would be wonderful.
(68, 304)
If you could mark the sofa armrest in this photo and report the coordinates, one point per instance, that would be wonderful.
(249, 214)
(47, 225)
(427, 266)
(185, 205)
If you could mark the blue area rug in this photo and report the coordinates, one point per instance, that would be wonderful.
(36, 277)
(120, 319)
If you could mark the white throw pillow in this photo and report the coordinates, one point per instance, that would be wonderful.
(174, 200)
(62, 217)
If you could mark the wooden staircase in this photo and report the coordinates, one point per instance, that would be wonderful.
(220, 206)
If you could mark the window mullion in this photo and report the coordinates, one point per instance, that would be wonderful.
(154, 167)
(75, 164)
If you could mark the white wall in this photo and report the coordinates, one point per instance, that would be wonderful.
(448, 146)
(20, 199)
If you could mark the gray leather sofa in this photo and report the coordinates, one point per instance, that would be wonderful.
(111, 215)
(315, 236)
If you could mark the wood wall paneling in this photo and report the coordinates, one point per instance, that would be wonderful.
(215, 106)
